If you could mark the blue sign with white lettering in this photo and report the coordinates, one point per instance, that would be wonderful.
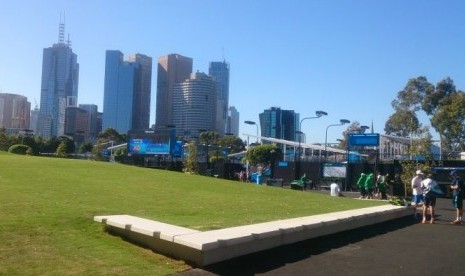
(357, 139)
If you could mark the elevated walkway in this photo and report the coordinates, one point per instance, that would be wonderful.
(208, 247)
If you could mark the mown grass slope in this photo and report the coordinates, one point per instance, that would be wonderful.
(47, 207)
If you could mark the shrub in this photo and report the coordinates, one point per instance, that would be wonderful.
(20, 149)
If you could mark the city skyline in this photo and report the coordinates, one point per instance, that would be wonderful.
(347, 58)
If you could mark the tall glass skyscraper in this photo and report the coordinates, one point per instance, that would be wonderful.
(127, 92)
(279, 124)
(59, 86)
(220, 73)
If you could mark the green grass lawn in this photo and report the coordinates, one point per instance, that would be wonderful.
(47, 207)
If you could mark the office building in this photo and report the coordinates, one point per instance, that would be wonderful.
(77, 124)
(127, 92)
(232, 125)
(220, 73)
(14, 111)
(34, 118)
(172, 69)
(94, 126)
(59, 86)
(194, 105)
(279, 124)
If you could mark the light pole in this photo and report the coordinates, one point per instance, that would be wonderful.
(342, 122)
(318, 114)
(252, 123)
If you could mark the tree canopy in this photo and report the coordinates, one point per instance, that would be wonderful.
(444, 105)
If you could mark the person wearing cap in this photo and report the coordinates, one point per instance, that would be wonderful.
(428, 185)
(457, 188)
(417, 192)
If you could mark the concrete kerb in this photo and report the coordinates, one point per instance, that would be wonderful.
(208, 247)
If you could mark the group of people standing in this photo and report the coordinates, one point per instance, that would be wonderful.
(425, 190)
(371, 187)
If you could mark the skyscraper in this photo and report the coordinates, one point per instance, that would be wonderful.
(233, 121)
(14, 111)
(94, 127)
(127, 91)
(280, 124)
(220, 73)
(194, 105)
(172, 69)
(59, 86)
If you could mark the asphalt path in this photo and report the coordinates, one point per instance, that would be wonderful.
(399, 247)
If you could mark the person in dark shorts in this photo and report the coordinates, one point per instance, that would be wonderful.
(457, 188)
(429, 198)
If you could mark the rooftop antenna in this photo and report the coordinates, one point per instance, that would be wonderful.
(61, 30)
(68, 42)
(222, 52)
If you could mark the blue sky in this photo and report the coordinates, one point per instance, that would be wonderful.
(346, 57)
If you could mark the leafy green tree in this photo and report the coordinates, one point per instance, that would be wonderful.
(61, 151)
(402, 123)
(191, 162)
(233, 143)
(4, 141)
(30, 141)
(412, 96)
(85, 147)
(435, 98)
(106, 139)
(408, 102)
(262, 154)
(449, 121)
(209, 137)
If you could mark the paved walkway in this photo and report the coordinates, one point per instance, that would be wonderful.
(400, 247)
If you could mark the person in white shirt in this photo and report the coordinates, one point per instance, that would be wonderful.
(417, 192)
(335, 191)
(429, 197)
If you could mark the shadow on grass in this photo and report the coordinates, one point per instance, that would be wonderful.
(271, 259)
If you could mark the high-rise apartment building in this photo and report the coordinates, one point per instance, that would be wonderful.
(14, 111)
(194, 105)
(233, 121)
(127, 91)
(220, 73)
(279, 124)
(172, 69)
(59, 86)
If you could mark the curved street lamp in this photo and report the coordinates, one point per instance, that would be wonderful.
(318, 113)
(252, 123)
(342, 122)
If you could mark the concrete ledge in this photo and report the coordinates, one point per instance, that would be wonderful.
(204, 248)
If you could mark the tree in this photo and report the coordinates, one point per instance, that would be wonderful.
(408, 102)
(4, 141)
(443, 104)
(262, 154)
(449, 121)
(435, 98)
(106, 139)
(233, 143)
(402, 123)
(62, 150)
(85, 147)
(191, 163)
